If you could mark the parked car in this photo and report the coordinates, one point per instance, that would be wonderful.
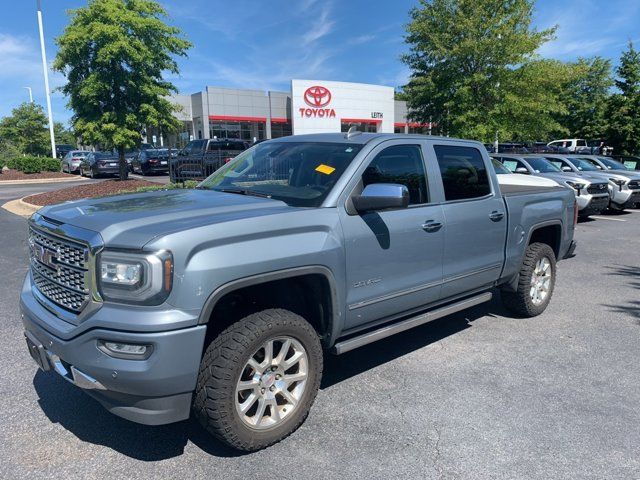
(150, 161)
(223, 298)
(97, 164)
(629, 161)
(623, 190)
(200, 158)
(62, 149)
(592, 196)
(506, 177)
(569, 144)
(71, 161)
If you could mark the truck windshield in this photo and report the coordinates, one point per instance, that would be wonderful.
(499, 167)
(300, 174)
(583, 165)
(542, 165)
(612, 164)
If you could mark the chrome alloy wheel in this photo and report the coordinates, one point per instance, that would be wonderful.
(272, 383)
(540, 281)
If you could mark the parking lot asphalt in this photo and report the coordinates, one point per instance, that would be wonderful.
(475, 395)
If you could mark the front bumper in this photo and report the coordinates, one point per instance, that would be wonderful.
(153, 391)
(625, 198)
(592, 204)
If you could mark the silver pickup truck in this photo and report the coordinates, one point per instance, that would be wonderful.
(221, 300)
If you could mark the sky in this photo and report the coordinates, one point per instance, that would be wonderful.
(264, 44)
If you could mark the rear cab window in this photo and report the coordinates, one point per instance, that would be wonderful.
(463, 171)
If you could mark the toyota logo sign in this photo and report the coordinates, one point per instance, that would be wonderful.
(317, 96)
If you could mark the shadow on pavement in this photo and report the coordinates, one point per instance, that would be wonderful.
(632, 273)
(338, 368)
(83, 416)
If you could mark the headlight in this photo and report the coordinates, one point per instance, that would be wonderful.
(619, 181)
(576, 185)
(135, 277)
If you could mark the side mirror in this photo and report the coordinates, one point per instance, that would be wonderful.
(381, 196)
(522, 170)
(566, 169)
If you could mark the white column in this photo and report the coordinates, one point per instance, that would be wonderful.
(45, 69)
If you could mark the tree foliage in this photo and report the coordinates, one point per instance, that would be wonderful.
(624, 107)
(26, 130)
(474, 70)
(62, 134)
(586, 96)
(113, 54)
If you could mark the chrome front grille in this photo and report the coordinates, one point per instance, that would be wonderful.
(596, 188)
(60, 269)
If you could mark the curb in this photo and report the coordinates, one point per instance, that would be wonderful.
(42, 180)
(20, 207)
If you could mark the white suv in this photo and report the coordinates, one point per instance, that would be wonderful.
(571, 144)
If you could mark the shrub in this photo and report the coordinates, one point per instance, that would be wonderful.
(51, 164)
(30, 164)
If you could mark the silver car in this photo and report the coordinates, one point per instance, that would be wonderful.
(624, 186)
(592, 195)
(71, 161)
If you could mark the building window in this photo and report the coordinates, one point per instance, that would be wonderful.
(280, 129)
(371, 127)
(421, 129)
(243, 130)
(398, 129)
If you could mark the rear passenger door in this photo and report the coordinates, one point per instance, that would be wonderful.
(475, 220)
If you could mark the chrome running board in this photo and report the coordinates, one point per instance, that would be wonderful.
(392, 329)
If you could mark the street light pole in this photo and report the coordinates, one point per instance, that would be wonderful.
(30, 94)
(46, 80)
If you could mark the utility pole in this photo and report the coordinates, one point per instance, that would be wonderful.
(30, 94)
(45, 69)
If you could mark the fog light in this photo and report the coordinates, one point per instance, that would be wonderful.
(125, 350)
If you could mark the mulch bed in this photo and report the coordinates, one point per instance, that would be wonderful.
(97, 189)
(16, 175)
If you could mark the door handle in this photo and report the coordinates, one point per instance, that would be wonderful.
(496, 216)
(431, 226)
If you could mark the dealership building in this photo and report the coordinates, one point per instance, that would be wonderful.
(312, 106)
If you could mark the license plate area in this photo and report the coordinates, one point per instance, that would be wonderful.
(37, 352)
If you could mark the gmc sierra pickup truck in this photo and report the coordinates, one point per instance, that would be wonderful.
(221, 299)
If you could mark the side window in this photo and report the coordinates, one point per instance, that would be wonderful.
(510, 163)
(464, 174)
(400, 164)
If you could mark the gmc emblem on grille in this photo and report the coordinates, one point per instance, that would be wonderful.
(41, 254)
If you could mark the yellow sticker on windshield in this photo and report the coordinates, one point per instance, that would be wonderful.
(326, 169)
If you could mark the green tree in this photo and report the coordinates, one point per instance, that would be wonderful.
(27, 130)
(624, 107)
(472, 70)
(113, 54)
(62, 134)
(586, 96)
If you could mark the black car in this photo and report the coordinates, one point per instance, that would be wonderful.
(63, 148)
(150, 161)
(99, 163)
(200, 158)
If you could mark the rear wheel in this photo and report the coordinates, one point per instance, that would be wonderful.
(536, 282)
(258, 379)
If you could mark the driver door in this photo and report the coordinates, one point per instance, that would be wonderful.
(393, 257)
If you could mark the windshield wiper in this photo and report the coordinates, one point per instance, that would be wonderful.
(243, 191)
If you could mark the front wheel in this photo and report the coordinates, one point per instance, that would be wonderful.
(536, 282)
(258, 379)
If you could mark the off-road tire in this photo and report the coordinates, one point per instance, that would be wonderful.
(221, 367)
(520, 301)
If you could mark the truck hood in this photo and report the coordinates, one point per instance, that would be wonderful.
(559, 177)
(131, 221)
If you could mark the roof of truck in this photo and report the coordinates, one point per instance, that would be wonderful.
(361, 138)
